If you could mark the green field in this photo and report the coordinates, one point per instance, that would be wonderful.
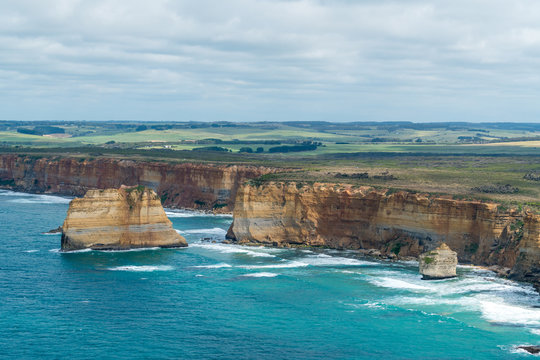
(439, 158)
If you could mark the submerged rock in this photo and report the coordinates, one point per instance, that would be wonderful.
(113, 219)
(438, 264)
(55, 231)
(532, 349)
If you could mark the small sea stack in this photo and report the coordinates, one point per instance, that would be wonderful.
(438, 264)
(118, 219)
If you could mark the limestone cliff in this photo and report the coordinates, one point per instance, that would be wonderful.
(527, 266)
(185, 185)
(118, 219)
(403, 223)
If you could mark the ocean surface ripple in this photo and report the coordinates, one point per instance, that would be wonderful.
(214, 300)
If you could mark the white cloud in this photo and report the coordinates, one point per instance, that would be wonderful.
(264, 60)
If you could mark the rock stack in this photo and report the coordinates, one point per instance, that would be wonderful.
(438, 264)
(116, 219)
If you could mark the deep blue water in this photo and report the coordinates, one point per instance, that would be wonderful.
(216, 301)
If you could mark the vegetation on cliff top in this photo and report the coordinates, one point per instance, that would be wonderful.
(494, 162)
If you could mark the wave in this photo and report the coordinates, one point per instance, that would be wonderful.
(261, 274)
(75, 251)
(51, 234)
(496, 310)
(327, 260)
(172, 213)
(214, 266)
(31, 251)
(130, 250)
(212, 231)
(284, 265)
(232, 249)
(388, 282)
(38, 199)
(142, 268)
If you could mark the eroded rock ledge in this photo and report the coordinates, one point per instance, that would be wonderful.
(402, 223)
(114, 219)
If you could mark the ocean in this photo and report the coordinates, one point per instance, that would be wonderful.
(218, 301)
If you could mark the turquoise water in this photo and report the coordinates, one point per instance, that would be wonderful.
(216, 301)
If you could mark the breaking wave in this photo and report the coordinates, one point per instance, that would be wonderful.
(261, 274)
(142, 268)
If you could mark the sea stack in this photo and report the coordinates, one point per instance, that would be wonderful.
(117, 219)
(438, 264)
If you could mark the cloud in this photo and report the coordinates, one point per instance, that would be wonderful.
(270, 60)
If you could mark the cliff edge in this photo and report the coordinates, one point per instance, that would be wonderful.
(125, 218)
(400, 223)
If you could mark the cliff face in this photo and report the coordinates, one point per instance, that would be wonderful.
(527, 266)
(208, 187)
(407, 224)
(118, 219)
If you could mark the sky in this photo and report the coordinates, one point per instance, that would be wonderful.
(260, 60)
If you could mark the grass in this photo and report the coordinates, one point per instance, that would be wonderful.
(440, 164)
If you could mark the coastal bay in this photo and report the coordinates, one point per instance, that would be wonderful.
(230, 301)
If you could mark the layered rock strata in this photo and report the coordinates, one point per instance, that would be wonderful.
(115, 219)
(185, 185)
(400, 223)
(438, 264)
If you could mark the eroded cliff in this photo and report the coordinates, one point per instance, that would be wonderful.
(184, 185)
(401, 223)
(122, 218)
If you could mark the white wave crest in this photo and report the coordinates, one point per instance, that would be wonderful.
(31, 251)
(142, 268)
(39, 199)
(74, 251)
(396, 284)
(131, 250)
(496, 310)
(213, 266)
(232, 249)
(172, 213)
(213, 231)
(327, 260)
(261, 274)
(283, 265)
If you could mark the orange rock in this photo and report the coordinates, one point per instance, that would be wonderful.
(403, 223)
(122, 218)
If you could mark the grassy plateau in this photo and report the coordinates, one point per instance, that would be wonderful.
(487, 161)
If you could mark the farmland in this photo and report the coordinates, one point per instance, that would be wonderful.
(462, 160)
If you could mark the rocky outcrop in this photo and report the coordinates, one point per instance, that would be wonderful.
(182, 185)
(527, 266)
(438, 264)
(122, 218)
(401, 223)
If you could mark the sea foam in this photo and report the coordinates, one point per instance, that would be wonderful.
(396, 284)
(172, 213)
(213, 266)
(327, 260)
(261, 274)
(38, 199)
(142, 268)
(283, 265)
(232, 249)
(212, 231)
